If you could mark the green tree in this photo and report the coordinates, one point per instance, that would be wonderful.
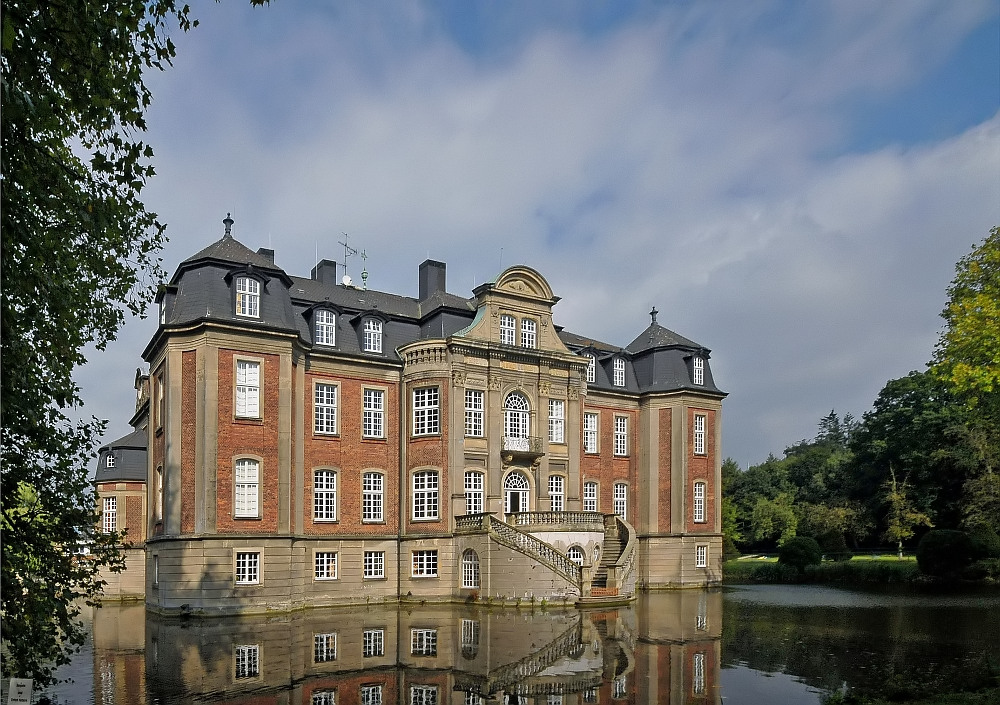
(903, 518)
(78, 253)
(774, 519)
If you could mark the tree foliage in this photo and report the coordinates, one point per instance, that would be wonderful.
(78, 254)
(903, 518)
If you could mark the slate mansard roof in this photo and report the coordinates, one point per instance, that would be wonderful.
(202, 290)
(129, 459)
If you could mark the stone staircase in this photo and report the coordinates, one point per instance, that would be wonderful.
(612, 551)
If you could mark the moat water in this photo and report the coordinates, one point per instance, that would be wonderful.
(750, 645)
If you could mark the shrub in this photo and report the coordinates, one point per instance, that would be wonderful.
(729, 550)
(834, 547)
(746, 572)
(944, 553)
(799, 552)
(985, 542)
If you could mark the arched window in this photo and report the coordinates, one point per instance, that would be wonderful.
(699, 502)
(575, 554)
(557, 493)
(372, 484)
(473, 492)
(621, 500)
(516, 493)
(470, 569)
(247, 487)
(517, 417)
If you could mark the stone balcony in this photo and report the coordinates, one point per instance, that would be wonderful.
(556, 521)
(521, 449)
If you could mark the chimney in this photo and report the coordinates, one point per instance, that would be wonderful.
(325, 271)
(432, 278)
(266, 252)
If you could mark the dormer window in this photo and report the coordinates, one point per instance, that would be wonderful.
(698, 370)
(508, 329)
(110, 462)
(529, 334)
(247, 297)
(619, 372)
(373, 335)
(325, 327)
(591, 369)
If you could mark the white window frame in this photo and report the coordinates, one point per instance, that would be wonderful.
(248, 374)
(326, 398)
(325, 565)
(701, 556)
(516, 416)
(475, 486)
(372, 497)
(372, 335)
(374, 565)
(470, 569)
(619, 372)
(557, 493)
(557, 421)
(423, 642)
(110, 515)
(247, 297)
(621, 436)
(246, 567)
(591, 424)
(324, 697)
(246, 661)
(529, 333)
(698, 673)
(324, 327)
(426, 484)
(475, 409)
(424, 563)
(698, 502)
(423, 695)
(110, 460)
(508, 329)
(372, 643)
(621, 500)
(371, 694)
(575, 554)
(373, 413)
(699, 434)
(698, 370)
(324, 495)
(591, 491)
(591, 369)
(324, 647)
(246, 488)
(426, 411)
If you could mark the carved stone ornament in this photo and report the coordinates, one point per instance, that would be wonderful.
(458, 376)
(495, 383)
(573, 392)
(544, 388)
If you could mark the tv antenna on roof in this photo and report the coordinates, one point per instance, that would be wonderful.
(348, 251)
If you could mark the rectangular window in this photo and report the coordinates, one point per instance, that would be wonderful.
(325, 495)
(110, 523)
(621, 435)
(373, 642)
(371, 496)
(557, 493)
(474, 409)
(247, 567)
(324, 648)
(470, 635)
(326, 565)
(374, 564)
(423, 695)
(698, 673)
(160, 408)
(247, 389)
(110, 462)
(325, 332)
(557, 421)
(247, 297)
(699, 434)
(701, 556)
(373, 335)
(529, 333)
(589, 433)
(247, 658)
(619, 372)
(470, 569)
(425, 495)
(423, 642)
(373, 414)
(247, 488)
(425, 411)
(699, 502)
(473, 492)
(425, 564)
(507, 329)
(698, 367)
(371, 694)
(325, 408)
(621, 500)
(590, 496)
(324, 697)
(591, 369)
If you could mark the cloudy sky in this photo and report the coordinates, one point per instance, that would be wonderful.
(789, 183)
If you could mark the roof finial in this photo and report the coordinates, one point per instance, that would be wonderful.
(653, 313)
(228, 222)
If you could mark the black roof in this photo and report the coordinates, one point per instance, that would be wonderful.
(129, 453)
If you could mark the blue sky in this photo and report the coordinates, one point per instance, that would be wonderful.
(789, 183)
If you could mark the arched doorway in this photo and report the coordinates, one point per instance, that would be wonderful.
(516, 493)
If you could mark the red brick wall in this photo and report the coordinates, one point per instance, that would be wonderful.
(248, 437)
(135, 520)
(189, 435)
(665, 450)
(701, 467)
(348, 687)
(351, 455)
(428, 452)
(605, 467)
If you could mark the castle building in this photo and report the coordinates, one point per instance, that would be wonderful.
(311, 442)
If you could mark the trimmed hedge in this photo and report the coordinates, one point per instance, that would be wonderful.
(860, 570)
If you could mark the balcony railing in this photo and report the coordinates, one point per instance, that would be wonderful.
(521, 448)
(567, 521)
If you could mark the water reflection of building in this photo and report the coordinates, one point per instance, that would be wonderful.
(119, 660)
(666, 650)
(312, 442)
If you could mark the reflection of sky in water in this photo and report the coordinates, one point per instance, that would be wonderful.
(741, 685)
